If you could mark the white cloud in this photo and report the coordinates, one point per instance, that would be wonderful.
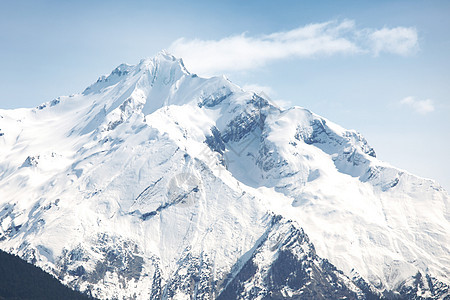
(284, 104)
(268, 92)
(420, 106)
(243, 52)
(259, 88)
(399, 40)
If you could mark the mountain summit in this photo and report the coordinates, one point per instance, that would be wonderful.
(156, 183)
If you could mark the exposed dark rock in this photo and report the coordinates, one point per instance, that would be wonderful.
(31, 161)
(216, 97)
(421, 288)
(180, 198)
(215, 141)
(296, 272)
(319, 134)
(243, 124)
(194, 277)
(156, 291)
(120, 256)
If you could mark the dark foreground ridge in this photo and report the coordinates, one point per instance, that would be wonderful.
(21, 280)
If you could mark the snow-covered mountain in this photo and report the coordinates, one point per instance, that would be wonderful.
(156, 183)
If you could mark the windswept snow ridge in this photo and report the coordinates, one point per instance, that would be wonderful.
(156, 183)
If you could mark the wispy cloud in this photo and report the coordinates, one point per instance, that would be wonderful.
(259, 88)
(420, 106)
(284, 104)
(399, 40)
(268, 92)
(244, 52)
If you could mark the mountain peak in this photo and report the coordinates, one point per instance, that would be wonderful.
(163, 62)
(155, 180)
(164, 54)
(162, 58)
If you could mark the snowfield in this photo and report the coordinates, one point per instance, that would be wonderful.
(156, 183)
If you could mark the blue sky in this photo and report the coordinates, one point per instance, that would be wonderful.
(380, 67)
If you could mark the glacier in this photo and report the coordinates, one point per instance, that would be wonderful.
(157, 183)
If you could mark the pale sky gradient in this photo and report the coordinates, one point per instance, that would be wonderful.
(380, 67)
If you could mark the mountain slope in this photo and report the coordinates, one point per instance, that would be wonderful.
(154, 181)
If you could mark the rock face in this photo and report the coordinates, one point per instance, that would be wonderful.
(284, 264)
(156, 183)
